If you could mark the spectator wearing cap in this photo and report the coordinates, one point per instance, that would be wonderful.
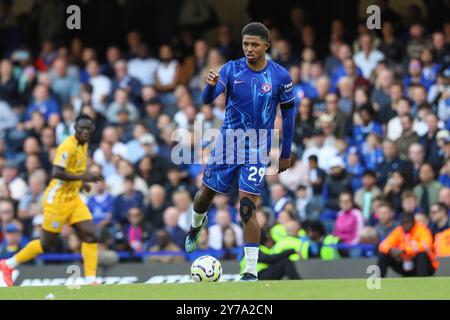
(427, 191)
(440, 220)
(408, 250)
(153, 109)
(408, 137)
(16, 184)
(349, 220)
(336, 182)
(129, 199)
(13, 241)
(121, 103)
(364, 195)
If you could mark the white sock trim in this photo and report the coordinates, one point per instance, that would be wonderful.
(251, 257)
(11, 262)
(197, 219)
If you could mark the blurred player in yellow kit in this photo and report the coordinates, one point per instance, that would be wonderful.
(62, 204)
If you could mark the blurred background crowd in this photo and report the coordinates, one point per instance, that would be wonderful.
(372, 128)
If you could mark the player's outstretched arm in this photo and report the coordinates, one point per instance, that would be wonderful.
(287, 113)
(213, 88)
(61, 174)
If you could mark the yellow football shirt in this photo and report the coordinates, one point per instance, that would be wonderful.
(71, 156)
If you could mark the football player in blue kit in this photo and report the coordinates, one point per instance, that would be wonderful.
(254, 87)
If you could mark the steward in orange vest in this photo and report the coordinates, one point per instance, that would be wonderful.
(442, 243)
(408, 250)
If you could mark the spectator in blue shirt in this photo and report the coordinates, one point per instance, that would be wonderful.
(371, 152)
(354, 166)
(368, 125)
(101, 205)
(123, 202)
(43, 103)
(13, 240)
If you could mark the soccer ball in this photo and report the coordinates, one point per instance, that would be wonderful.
(206, 269)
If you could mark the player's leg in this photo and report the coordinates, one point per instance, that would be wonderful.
(202, 202)
(252, 233)
(216, 178)
(89, 247)
(81, 220)
(251, 181)
(34, 248)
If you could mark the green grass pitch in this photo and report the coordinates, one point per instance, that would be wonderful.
(394, 288)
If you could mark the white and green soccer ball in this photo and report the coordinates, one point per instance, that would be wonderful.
(206, 269)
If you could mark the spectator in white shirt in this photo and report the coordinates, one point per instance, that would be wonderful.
(143, 67)
(368, 57)
(101, 86)
(17, 186)
(168, 70)
(216, 231)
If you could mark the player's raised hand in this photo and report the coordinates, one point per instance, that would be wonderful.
(284, 164)
(212, 78)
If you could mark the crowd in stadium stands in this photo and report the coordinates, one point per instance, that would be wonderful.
(372, 139)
